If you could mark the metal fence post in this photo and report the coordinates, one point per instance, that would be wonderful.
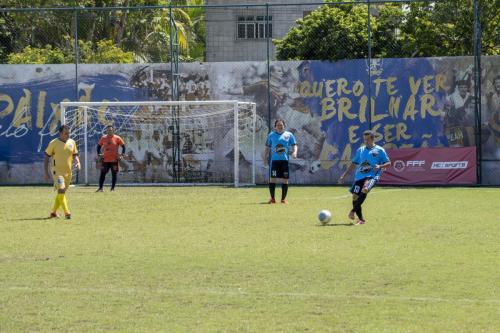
(76, 52)
(267, 32)
(477, 88)
(369, 67)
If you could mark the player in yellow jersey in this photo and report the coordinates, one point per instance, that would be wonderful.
(63, 152)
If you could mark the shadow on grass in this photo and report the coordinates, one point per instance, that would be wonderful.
(34, 219)
(265, 203)
(336, 225)
(277, 203)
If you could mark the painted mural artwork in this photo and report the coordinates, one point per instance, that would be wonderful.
(420, 102)
(150, 142)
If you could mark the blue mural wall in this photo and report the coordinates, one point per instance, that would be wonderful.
(410, 103)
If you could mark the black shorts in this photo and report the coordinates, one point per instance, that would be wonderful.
(279, 169)
(106, 166)
(358, 185)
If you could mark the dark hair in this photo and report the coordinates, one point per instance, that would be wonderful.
(108, 127)
(370, 133)
(63, 127)
(279, 120)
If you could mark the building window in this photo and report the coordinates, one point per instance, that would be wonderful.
(254, 27)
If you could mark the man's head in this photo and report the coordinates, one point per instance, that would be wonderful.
(496, 83)
(156, 135)
(279, 125)
(64, 132)
(463, 88)
(368, 138)
(110, 130)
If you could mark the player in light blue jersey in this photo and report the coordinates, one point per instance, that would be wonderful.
(370, 160)
(279, 142)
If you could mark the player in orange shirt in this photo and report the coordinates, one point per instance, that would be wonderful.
(107, 153)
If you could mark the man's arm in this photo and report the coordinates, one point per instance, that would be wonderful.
(77, 162)
(121, 144)
(351, 167)
(295, 149)
(383, 166)
(383, 157)
(265, 155)
(46, 167)
(99, 153)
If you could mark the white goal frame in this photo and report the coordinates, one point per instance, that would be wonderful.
(234, 104)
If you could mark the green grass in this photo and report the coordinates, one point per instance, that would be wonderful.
(209, 259)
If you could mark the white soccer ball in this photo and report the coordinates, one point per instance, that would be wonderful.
(324, 216)
(315, 166)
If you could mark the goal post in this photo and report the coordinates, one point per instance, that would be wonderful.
(169, 142)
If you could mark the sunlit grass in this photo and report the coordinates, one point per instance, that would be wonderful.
(211, 259)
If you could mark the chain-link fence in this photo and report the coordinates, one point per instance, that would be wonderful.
(339, 30)
(251, 32)
(274, 54)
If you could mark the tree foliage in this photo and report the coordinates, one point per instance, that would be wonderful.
(143, 32)
(39, 55)
(417, 29)
(334, 31)
(322, 35)
(105, 52)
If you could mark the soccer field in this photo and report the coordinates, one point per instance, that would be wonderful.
(212, 259)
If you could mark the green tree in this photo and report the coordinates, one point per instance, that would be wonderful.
(446, 28)
(328, 33)
(35, 29)
(43, 55)
(489, 14)
(418, 29)
(386, 30)
(197, 31)
(146, 33)
(437, 29)
(105, 52)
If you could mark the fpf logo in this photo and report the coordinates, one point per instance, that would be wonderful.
(400, 165)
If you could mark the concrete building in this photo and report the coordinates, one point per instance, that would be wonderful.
(242, 33)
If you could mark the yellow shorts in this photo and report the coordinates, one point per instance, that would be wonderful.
(62, 182)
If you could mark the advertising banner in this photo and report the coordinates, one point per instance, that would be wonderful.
(419, 166)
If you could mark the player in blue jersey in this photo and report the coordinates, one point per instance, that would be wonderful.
(279, 142)
(370, 160)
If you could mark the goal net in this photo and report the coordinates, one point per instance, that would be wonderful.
(182, 143)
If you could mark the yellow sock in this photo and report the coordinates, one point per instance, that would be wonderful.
(64, 203)
(57, 203)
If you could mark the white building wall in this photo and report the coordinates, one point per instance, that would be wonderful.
(222, 43)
